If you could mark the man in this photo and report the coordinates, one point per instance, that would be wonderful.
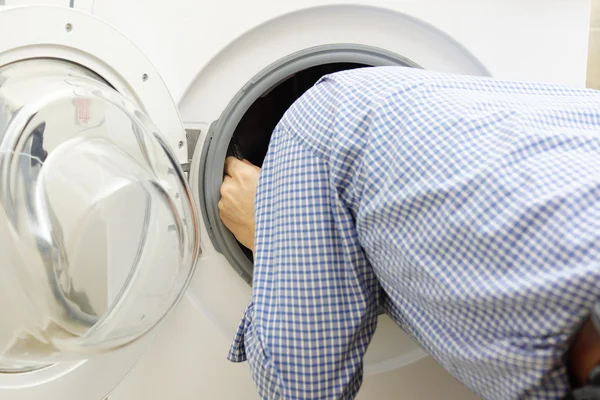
(468, 207)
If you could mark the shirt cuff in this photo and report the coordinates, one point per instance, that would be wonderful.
(237, 351)
(247, 346)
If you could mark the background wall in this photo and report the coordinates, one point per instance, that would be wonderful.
(593, 77)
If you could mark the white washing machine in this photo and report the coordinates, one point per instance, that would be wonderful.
(105, 83)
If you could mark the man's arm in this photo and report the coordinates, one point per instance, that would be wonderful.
(314, 306)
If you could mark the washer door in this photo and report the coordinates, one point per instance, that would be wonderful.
(99, 235)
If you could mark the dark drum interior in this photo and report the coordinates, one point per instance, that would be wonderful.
(251, 137)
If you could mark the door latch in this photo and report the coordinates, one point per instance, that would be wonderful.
(191, 136)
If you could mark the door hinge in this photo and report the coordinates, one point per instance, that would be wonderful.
(191, 136)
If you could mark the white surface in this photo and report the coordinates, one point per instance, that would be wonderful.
(84, 5)
(62, 3)
(544, 40)
(81, 5)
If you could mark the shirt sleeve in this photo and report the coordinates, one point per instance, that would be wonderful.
(313, 310)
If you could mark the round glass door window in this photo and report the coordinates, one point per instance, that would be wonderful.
(98, 234)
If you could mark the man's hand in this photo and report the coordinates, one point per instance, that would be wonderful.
(236, 206)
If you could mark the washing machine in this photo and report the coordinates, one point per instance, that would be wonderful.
(117, 276)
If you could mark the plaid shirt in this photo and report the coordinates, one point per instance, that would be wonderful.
(468, 207)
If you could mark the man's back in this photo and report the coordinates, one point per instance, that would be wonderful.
(469, 207)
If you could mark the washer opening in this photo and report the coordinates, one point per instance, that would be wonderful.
(245, 127)
(253, 133)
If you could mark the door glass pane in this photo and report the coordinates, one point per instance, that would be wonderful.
(98, 234)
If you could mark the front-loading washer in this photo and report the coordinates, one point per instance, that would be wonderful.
(233, 68)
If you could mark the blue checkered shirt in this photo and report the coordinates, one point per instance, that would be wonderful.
(468, 207)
